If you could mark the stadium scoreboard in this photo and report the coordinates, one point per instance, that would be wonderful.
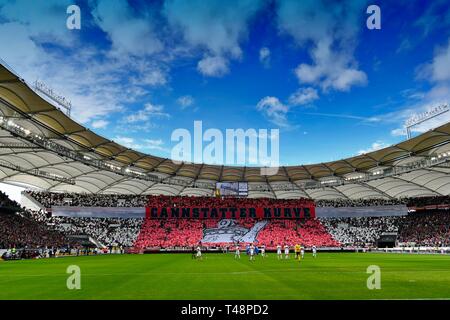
(233, 189)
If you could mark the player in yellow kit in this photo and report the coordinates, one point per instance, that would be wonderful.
(297, 251)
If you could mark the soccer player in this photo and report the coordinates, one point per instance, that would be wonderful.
(199, 253)
(279, 255)
(286, 251)
(252, 252)
(297, 251)
(314, 251)
(263, 251)
(302, 252)
(237, 253)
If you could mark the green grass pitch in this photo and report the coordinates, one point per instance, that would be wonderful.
(220, 276)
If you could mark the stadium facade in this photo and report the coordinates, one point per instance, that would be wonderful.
(41, 147)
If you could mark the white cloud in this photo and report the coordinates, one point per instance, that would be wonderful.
(439, 69)
(437, 73)
(128, 32)
(95, 91)
(21, 50)
(277, 112)
(264, 56)
(99, 124)
(217, 27)
(434, 16)
(47, 20)
(408, 111)
(274, 110)
(91, 90)
(303, 96)
(147, 113)
(155, 144)
(377, 145)
(185, 101)
(330, 70)
(144, 145)
(412, 94)
(213, 66)
(429, 124)
(154, 76)
(398, 132)
(125, 141)
(333, 36)
(405, 45)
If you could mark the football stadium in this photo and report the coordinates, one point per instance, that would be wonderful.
(99, 218)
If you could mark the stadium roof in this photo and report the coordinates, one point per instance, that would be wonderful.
(24, 161)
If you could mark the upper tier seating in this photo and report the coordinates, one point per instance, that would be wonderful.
(426, 229)
(308, 233)
(20, 232)
(360, 231)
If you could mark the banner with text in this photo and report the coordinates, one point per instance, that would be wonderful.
(98, 212)
(231, 212)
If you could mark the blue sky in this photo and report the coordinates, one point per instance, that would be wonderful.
(137, 70)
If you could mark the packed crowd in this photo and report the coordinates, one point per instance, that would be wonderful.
(7, 204)
(427, 201)
(189, 232)
(39, 229)
(290, 232)
(178, 201)
(170, 233)
(426, 229)
(109, 231)
(49, 199)
(19, 231)
(337, 203)
(360, 231)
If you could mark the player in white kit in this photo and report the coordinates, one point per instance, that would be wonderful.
(302, 252)
(314, 251)
(263, 251)
(199, 253)
(286, 251)
(279, 255)
(237, 253)
(252, 252)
